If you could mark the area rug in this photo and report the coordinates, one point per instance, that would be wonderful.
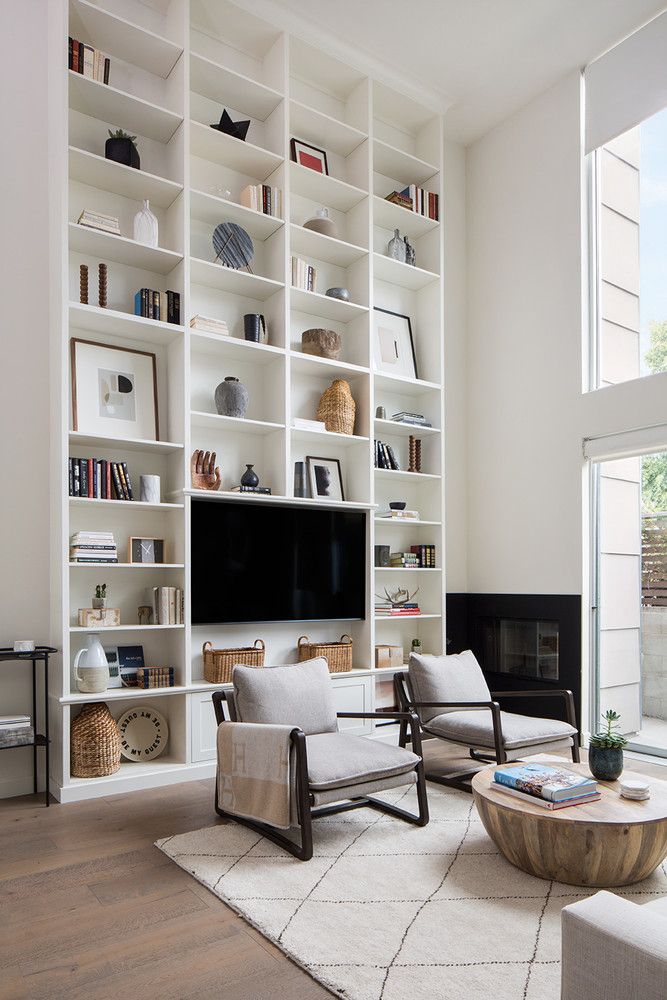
(389, 911)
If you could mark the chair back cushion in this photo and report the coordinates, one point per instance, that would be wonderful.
(297, 694)
(446, 678)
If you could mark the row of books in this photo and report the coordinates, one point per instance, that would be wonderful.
(385, 609)
(155, 677)
(165, 306)
(263, 198)
(209, 325)
(93, 547)
(416, 419)
(419, 556)
(98, 220)
(304, 275)
(416, 199)
(99, 479)
(167, 605)
(88, 61)
(385, 457)
(549, 787)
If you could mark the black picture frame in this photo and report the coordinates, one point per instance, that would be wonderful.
(311, 462)
(389, 312)
(293, 143)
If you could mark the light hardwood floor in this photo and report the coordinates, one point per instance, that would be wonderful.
(89, 908)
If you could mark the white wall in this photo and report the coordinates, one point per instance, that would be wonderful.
(24, 399)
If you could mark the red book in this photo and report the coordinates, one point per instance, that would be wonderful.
(91, 487)
(108, 481)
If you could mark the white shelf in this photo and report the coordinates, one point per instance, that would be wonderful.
(111, 322)
(238, 425)
(95, 243)
(324, 306)
(79, 438)
(228, 151)
(219, 83)
(397, 273)
(387, 215)
(324, 189)
(405, 521)
(321, 247)
(399, 385)
(126, 565)
(117, 178)
(399, 165)
(233, 347)
(122, 38)
(139, 505)
(396, 429)
(315, 127)
(403, 618)
(126, 628)
(227, 279)
(110, 105)
(407, 476)
(277, 498)
(327, 437)
(122, 694)
(212, 210)
(407, 569)
(311, 364)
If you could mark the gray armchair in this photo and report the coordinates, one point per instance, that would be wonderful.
(453, 701)
(332, 771)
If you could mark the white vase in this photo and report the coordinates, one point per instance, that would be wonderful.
(91, 668)
(145, 226)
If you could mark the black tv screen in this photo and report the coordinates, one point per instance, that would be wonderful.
(258, 562)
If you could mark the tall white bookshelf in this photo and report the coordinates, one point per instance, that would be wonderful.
(175, 65)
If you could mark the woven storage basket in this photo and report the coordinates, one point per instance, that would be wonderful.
(95, 742)
(337, 654)
(337, 408)
(219, 663)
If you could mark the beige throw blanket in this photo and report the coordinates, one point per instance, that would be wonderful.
(256, 772)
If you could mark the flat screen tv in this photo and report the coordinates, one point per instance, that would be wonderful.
(259, 562)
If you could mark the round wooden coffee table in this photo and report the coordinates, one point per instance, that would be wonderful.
(611, 842)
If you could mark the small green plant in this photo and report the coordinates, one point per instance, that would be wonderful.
(120, 134)
(101, 590)
(608, 738)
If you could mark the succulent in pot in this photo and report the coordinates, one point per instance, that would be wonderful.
(121, 147)
(100, 598)
(605, 749)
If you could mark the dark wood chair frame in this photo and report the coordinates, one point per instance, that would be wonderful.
(462, 779)
(304, 799)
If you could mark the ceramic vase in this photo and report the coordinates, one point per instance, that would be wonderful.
(149, 489)
(249, 477)
(91, 668)
(231, 398)
(606, 763)
(321, 222)
(145, 226)
(396, 247)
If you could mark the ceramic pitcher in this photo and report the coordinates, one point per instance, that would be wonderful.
(91, 668)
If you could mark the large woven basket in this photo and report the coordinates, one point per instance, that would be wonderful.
(219, 663)
(94, 742)
(337, 408)
(337, 654)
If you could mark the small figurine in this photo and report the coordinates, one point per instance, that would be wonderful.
(203, 470)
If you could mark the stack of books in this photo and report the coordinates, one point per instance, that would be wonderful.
(263, 490)
(15, 730)
(422, 202)
(545, 786)
(399, 515)
(304, 275)
(93, 547)
(403, 560)
(88, 61)
(385, 457)
(98, 479)
(165, 306)
(301, 424)
(397, 198)
(385, 609)
(98, 220)
(425, 555)
(263, 198)
(208, 325)
(155, 677)
(414, 419)
(167, 605)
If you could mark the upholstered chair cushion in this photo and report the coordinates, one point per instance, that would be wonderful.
(475, 728)
(336, 760)
(446, 678)
(298, 694)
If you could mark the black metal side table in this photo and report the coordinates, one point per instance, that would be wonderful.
(39, 653)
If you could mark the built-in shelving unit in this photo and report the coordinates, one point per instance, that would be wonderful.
(174, 66)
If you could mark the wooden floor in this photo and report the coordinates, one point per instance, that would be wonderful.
(90, 909)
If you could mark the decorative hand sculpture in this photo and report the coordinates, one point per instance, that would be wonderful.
(203, 470)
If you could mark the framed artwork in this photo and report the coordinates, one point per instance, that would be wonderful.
(393, 346)
(146, 550)
(114, 391)
(124, 661)
(309, 156)
(325, 478)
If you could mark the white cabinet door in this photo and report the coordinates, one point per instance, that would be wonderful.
(353, 694)
(204, 727)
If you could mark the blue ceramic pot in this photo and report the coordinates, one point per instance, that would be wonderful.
(606, 763)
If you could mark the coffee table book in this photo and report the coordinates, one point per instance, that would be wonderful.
(574, 800)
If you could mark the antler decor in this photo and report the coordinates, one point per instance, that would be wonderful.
(203, 470)
(397, 597)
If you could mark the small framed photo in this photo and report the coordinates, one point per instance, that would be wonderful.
(325, 478)
(146, 550)
(124, 661)
(393, 346)
(309, 156)
(114, 391)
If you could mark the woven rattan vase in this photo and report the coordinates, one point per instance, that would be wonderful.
(337, 408)
(95, 742)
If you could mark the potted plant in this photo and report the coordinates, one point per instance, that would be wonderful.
(100, 598)
(121, 147)
(605, 749)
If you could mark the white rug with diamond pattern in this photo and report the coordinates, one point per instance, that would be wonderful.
(388, 911)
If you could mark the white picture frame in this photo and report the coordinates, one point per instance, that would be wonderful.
(393, 346)
(114, 391)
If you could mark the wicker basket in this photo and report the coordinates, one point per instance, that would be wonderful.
(219, 663)
(337, 408)
(95, 742)
(337, 654)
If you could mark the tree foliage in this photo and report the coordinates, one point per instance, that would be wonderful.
(654, 467)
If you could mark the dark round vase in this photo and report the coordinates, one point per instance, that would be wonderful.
(606, 763)
(249, 477)
(122, 151)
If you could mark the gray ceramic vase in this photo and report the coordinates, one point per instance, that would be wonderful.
(606, 763)
(231, 398)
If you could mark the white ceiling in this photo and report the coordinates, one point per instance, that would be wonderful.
(484, 59)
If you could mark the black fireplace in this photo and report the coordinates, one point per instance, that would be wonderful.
(523, 642)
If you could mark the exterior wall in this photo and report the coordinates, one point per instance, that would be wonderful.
(654, 662)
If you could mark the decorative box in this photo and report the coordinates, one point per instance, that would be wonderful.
(389, 656)
(98, 617)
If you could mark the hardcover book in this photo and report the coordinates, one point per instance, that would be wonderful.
(544, 782)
